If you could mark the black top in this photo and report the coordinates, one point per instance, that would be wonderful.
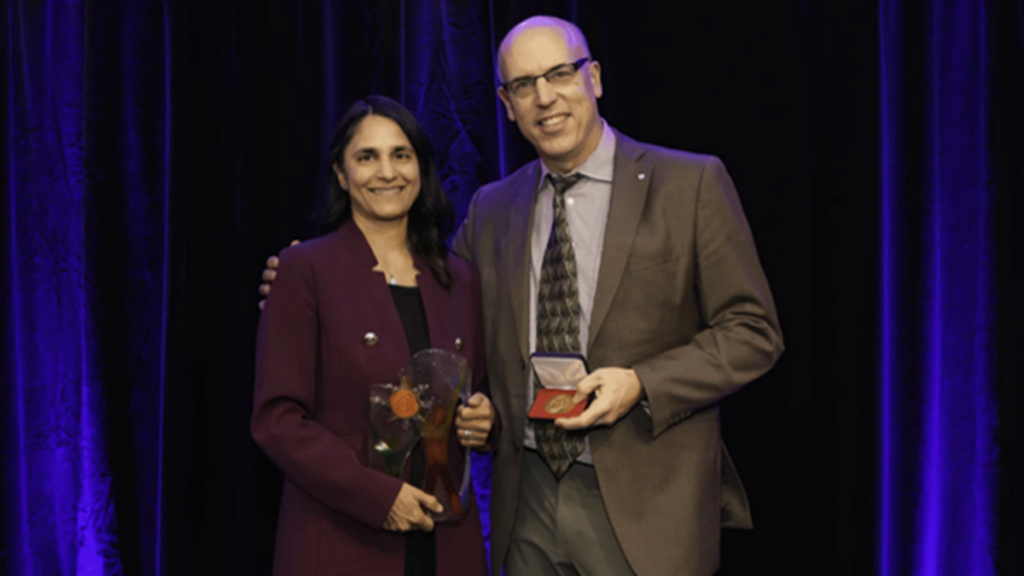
(414, 318)
(420, 549)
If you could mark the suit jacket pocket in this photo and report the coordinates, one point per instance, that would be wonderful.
(643, 261)
(650, 295)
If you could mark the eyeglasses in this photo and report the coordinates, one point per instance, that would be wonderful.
(560, 75)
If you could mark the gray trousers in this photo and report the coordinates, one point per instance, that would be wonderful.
(561, 526)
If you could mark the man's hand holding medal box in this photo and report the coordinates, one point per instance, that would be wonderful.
(558, 375)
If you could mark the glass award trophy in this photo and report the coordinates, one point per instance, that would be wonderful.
(394, 412)
(421, 408)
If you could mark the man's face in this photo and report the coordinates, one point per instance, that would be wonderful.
(560, 121)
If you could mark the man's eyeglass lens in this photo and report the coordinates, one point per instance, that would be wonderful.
(558, 76)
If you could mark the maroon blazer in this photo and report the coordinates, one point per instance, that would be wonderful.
(330, 329)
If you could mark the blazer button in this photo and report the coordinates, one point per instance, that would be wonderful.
(370, 339)
(458, 343)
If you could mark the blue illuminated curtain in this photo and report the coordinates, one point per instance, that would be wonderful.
(103, 103)
(84, 266)
(939, 479)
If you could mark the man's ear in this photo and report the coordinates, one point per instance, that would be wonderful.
(595, 78)
(507, 101)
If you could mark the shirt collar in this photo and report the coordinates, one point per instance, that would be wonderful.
(601, 163)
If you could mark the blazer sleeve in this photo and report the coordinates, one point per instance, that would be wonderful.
(462, 243)
(481, 382)
(741, 338)
(310, 455)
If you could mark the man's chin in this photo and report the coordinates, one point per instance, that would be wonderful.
(556, 158)
(556, 150)
(547, 140)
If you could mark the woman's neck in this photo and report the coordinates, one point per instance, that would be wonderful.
(389, 241)
(384, 236)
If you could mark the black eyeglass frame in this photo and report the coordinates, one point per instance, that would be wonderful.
(533, 79)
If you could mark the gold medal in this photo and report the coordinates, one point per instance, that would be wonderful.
(559, 404)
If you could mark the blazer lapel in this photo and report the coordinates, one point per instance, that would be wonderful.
(517, 254)
(374, 291)
(630, 183)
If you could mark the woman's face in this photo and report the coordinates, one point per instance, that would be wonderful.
(380, 170)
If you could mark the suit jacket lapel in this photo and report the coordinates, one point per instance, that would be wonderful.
(517, 253)
(629, 194)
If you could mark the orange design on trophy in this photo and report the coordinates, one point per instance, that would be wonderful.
(404, 404)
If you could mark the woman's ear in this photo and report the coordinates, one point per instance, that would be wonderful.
(342, 180)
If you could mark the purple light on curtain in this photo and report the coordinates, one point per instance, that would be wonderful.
(87, 149)
(960, 468)
(448, 83)
(893, 180)
(503, 169)
(938, 484)
(61, 510)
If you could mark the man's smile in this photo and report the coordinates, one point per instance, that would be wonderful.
(554, 122)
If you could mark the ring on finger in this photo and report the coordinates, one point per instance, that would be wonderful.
(466, 434)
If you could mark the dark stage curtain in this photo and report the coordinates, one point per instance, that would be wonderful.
(155, 153)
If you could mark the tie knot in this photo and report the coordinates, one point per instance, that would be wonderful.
(563, 183)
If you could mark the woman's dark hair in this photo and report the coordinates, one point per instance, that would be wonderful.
(431, 217)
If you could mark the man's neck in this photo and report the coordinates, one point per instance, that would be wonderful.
(567, 166)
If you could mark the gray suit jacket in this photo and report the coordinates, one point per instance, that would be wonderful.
(681, 299)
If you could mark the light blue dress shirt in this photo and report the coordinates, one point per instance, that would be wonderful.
(586, 206)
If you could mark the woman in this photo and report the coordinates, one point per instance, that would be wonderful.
(347, 310)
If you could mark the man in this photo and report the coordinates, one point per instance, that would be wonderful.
(641, 259)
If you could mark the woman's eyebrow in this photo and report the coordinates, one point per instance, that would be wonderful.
(372, 150)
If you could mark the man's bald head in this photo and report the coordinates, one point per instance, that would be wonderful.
(557, 112)
(574, 39)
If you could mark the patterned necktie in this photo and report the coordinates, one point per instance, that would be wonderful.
(558, 324)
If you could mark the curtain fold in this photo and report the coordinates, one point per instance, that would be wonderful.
(939, 384)
(84, 265)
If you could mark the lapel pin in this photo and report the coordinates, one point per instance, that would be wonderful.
(641, 176)
(370, 339)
